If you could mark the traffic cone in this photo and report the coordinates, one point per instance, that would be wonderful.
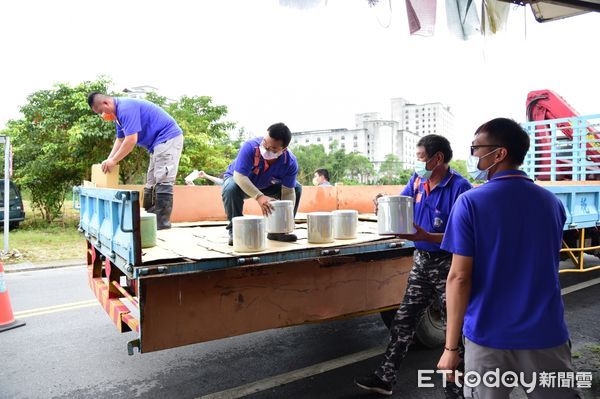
(7, 319)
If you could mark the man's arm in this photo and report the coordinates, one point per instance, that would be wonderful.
(422, 235)
(251, 191)
(288, 194)
(115, 148)
(458, 291)
(125, 146)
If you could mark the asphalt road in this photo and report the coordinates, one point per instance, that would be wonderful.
(76, 352)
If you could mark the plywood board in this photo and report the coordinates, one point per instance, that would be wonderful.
(211, 242)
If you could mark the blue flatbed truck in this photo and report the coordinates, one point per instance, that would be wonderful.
(192, 288)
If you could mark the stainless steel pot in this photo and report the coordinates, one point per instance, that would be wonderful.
(281, 220)
(395, 215)
(345, 223)
(249, 233)
(320, 227)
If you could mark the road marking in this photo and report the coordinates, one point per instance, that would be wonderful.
(580, 286)
(55, 309)
(295, 375)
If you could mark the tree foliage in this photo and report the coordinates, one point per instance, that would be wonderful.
(392, 171)
(58, 138)
(351, 168)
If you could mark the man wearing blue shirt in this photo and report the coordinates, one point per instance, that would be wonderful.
(434, 187)
(264, 169)
(505, 237)
(321, 178)
(147, 125)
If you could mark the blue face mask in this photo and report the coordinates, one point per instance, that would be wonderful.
(473, 167)
(421, 169)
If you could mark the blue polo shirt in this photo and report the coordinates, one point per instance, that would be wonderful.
(152, 123)
(512, 228)
(250, 163)
(432, 208)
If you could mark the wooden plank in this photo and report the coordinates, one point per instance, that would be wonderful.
(185, 309)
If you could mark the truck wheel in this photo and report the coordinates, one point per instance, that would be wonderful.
(13, 225)
(430, 329)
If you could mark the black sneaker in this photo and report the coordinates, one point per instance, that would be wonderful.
(230, 242)
(282, 237)
(373, 383)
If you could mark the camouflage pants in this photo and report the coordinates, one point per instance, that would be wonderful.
(426, 284)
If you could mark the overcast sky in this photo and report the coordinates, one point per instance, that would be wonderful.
(312, 69)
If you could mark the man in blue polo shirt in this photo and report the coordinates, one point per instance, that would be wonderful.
(434, 187)
(264, 169)
(505, 237)
(147, 125)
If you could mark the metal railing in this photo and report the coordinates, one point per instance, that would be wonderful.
(553, 155)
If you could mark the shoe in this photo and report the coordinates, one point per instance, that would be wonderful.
(372, 383)
(230, 242)
(282, 237)
(149, 200)
(163, 209)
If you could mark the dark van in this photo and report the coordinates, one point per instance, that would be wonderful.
(17, 212)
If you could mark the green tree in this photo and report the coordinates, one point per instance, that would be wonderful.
(310, 158)
(460, 166)
(392, 171)
(58, 138)
(352, 168)
(51, 152)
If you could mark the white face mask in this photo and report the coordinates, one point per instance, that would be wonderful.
(473, 167)
(269, 155)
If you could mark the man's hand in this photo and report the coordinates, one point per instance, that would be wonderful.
(376, 203)
(419, 235)
(265, 204)
(449, 361)
(202, 174)
(107, 165)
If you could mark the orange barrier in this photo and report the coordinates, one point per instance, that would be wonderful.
(7, 318)
(195, 203)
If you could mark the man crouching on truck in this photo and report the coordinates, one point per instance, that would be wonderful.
(434, 187)
(264, 169)
(147, 125)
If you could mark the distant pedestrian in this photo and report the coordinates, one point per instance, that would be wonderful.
(321, 178)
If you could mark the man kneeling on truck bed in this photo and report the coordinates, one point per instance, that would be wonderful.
(147, 125)
(264, 169)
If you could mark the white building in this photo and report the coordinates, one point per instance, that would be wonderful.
(375, 136)
(423, 119)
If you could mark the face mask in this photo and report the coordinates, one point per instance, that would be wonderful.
(108, 117)
(269, 155)
(421, 169)
(473, 167)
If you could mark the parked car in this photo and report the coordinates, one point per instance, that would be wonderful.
(17, 212)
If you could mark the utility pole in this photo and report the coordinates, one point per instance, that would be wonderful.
(6, 206)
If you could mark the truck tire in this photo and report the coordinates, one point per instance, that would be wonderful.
(430, 329)
(13, 225)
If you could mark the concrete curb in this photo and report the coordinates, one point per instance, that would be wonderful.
(29, 266)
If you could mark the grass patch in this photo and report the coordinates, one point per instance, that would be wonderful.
(37, 241)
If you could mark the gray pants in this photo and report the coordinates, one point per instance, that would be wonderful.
(164, 162)
(481, 359)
